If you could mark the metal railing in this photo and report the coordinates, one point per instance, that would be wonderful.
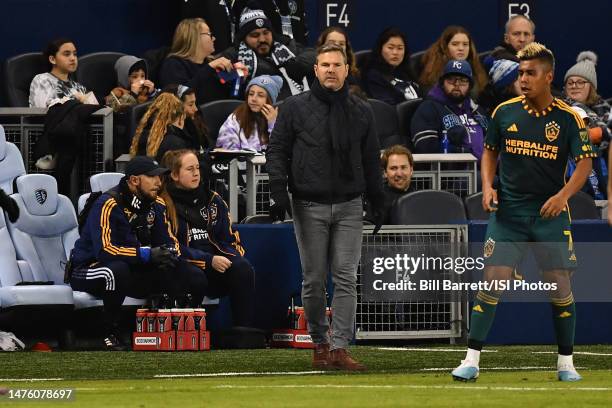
(24, 126)
(453, 172)
(438, 316)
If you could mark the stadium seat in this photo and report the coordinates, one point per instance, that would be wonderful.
(96, 72)
(428, 207)
(473, 207)
(134, 114)
(18, 74)
(216, 112)
(14, 272)
(582, 207)
(11, 163)
(362, 58)
(415, 63)
(483, 55)
(387, 124)
(46, 229)
(99, 182)
(405, 111)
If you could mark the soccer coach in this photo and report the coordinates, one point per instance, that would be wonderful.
(324, 147)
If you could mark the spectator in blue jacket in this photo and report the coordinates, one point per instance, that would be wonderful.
(448, 120)
(126, 248)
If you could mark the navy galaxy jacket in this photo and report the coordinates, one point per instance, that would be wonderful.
(109, 234)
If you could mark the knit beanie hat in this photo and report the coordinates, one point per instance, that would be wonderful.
(503, 72)
(252, 20)
(584, 68)
(271, 83)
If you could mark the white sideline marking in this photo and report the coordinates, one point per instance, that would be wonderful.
(239, 374)
(444, 387)
(445, 350)
(30, 379)
(500, 368)
(584, 353)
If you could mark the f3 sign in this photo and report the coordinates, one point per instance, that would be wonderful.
(336, 13)
(511, 8)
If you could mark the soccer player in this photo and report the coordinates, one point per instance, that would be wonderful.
(534, 134)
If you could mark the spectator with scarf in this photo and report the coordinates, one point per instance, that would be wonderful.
(266, 53)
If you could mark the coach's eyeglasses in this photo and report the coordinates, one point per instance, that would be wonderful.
(576, 84)
(212, 37)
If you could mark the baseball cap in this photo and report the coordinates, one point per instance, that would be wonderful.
(458, 67)
(143, 165)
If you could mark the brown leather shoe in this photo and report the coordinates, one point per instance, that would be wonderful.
(341, 360)
(320, 357)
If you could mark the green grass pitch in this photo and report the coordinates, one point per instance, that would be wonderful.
(517, 376)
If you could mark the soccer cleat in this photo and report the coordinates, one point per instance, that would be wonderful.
(466, 372)
(112, 343)
(568, 373)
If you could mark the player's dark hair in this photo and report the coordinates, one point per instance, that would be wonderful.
(537, 51)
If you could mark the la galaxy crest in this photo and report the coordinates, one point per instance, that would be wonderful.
(489, 247)
(552, 131)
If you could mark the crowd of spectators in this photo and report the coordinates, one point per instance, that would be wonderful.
(257, 52)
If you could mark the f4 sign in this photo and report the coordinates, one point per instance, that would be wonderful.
(336, 13)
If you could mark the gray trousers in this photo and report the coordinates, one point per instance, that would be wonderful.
(329, 238)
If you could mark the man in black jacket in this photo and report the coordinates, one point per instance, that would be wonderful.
(325, 148)
(266, 53)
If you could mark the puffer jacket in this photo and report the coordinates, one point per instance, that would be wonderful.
(300, 151)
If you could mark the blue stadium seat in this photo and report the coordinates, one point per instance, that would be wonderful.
(14, 272)
(11, 163)
(46, 229)
(99, 182)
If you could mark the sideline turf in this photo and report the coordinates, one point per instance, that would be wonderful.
(528, 389)
(396, 378)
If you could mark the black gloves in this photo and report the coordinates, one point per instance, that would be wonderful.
(379, 211)
(163, 258)
(9, 205)
(279, 201)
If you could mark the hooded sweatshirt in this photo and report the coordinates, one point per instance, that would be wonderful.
(465, 125)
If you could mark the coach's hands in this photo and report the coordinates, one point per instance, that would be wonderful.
(279, 201)
(553, 206)
(489, 199)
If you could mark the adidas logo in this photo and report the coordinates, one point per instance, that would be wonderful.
(477, 308)
(512, 128)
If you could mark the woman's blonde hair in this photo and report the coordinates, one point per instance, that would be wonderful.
(172, 160)
(163, 112)
(186, 38)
